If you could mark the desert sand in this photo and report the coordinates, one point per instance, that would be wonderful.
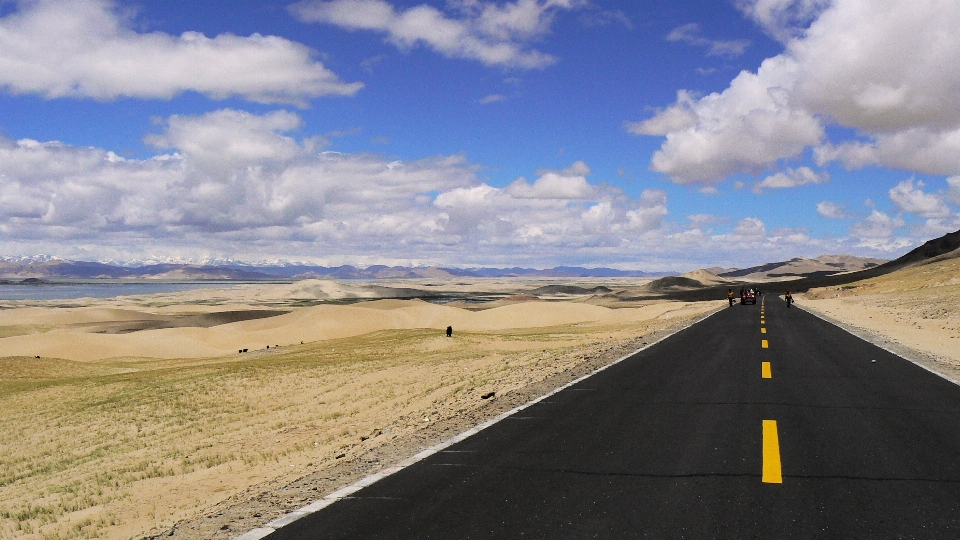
(917, 307)
(127, 425)
(76, 334)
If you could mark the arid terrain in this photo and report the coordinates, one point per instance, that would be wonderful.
(143, 416)
(140, 417)
(917, 307)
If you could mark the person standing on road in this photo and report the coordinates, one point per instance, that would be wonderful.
(730, 296)
(788, 298)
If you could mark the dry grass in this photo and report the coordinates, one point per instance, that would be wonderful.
(116, 448)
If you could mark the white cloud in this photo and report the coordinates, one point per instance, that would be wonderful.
(677, 117)
(750, 228)
(494, 34)
(746, 128)
(82, 48)
(247, 186)
(878, 226)
(649, 216)
(569, 183)
(832, 210)
(367, 64)
(885, 69)
(935, 227)
(953, 189)
(492, 98)
(226, 139)
(783, 19)
(911, 198)
(916, 149)
(791, 178)
(690, 34)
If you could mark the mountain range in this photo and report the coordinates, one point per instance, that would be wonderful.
(40, 267)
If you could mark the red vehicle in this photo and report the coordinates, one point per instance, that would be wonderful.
(748, 296)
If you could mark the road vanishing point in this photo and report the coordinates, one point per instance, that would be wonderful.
(758, 422)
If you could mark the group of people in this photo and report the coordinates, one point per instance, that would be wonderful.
(787, 297)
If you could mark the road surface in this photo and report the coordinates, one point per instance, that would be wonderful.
(758, 422)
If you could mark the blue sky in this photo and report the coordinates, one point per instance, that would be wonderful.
(651, 135)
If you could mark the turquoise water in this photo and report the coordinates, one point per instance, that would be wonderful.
(66, 291)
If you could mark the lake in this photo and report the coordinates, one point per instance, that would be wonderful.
(66, 291)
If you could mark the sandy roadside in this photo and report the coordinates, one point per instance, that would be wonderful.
(898, 325)
(914, 312)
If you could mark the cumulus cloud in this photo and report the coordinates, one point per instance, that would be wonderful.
(878, 226)
(750, 228)
(83, 48)
(884, 69)
(239, 184)
(494, 34)
(690, 34)
(649, 216)
(832, 210)
(225, 139)
(745, 128)
(915, 149)
(569, 183)
(912, 199)
(678, 117)
(791, 178)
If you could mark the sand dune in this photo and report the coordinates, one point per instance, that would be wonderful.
(76, 340)
(705, 276)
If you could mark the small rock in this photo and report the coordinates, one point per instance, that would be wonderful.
(488, 395)
(225, 528)
(873, 361)
(341, 456)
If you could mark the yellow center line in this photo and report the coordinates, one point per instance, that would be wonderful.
(771, 453)
(763, 330)
(765, 370)
(764, 344)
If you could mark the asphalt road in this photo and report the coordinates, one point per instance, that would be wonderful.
(677, 442)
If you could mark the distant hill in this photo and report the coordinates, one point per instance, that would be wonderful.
(48, 268)
(800, 267)
(939, 249)
(706, 277)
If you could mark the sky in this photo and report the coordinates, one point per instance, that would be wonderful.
(647, 135)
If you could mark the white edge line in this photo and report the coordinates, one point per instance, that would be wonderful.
(347, 491)
(847, 330)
